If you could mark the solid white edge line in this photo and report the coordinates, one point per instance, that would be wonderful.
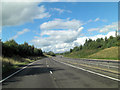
(16, 72)
(89, 71)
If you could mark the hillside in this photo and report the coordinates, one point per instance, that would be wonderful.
(80, 54)
(108, 53)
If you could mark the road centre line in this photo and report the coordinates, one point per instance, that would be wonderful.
(47, 65)
(51, 72)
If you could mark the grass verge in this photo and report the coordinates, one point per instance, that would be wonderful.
(11, 64)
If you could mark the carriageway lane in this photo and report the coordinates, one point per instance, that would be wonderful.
(49, 73)
(75, 78)
(36, 75)
(104, 67)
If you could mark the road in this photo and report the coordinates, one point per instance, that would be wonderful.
(55, 73)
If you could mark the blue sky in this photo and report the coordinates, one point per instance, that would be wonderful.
(58, 26)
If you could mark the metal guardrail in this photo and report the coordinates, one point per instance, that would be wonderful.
(105, 64)
(98, 60)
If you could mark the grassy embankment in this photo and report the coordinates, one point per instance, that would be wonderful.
(108, 53)
(13, 63)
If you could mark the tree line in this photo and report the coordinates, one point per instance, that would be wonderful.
(11, 48)
(99, 43)
(50, 53)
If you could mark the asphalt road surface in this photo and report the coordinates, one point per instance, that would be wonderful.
(54, 73)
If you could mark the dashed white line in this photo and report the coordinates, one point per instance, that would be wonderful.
(51, 72)
(89, 71)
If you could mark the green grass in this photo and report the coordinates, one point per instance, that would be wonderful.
(81, 54)
(108, 53)
(15, 62)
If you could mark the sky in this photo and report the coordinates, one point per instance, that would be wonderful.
(58, 26)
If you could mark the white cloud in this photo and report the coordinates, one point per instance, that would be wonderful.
(107, 28)
(19, 13)
(60, 33)
(81, 40)
(20, 33)
(63, 40)
(61, 36)
(55, 37)
(61, 24)
(97, 19)
(61, 10)
(93, 29)
(62, 47)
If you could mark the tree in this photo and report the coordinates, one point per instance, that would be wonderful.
(71, 50)
(111, 37)
(81, 47)
(51, 53)
(11, 48)
(76, 48)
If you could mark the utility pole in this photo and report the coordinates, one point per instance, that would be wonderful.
(116, 33)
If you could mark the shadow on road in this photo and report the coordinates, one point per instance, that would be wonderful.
(30, 65)
(34, 70)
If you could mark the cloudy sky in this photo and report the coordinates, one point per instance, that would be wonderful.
(58, 26)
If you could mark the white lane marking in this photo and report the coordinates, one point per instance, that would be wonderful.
(16, 72)
(89, 71)
(47, 63)
(51, 72)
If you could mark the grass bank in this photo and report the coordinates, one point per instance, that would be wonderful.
(81, 54)
(108, 53)
(11, 64)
